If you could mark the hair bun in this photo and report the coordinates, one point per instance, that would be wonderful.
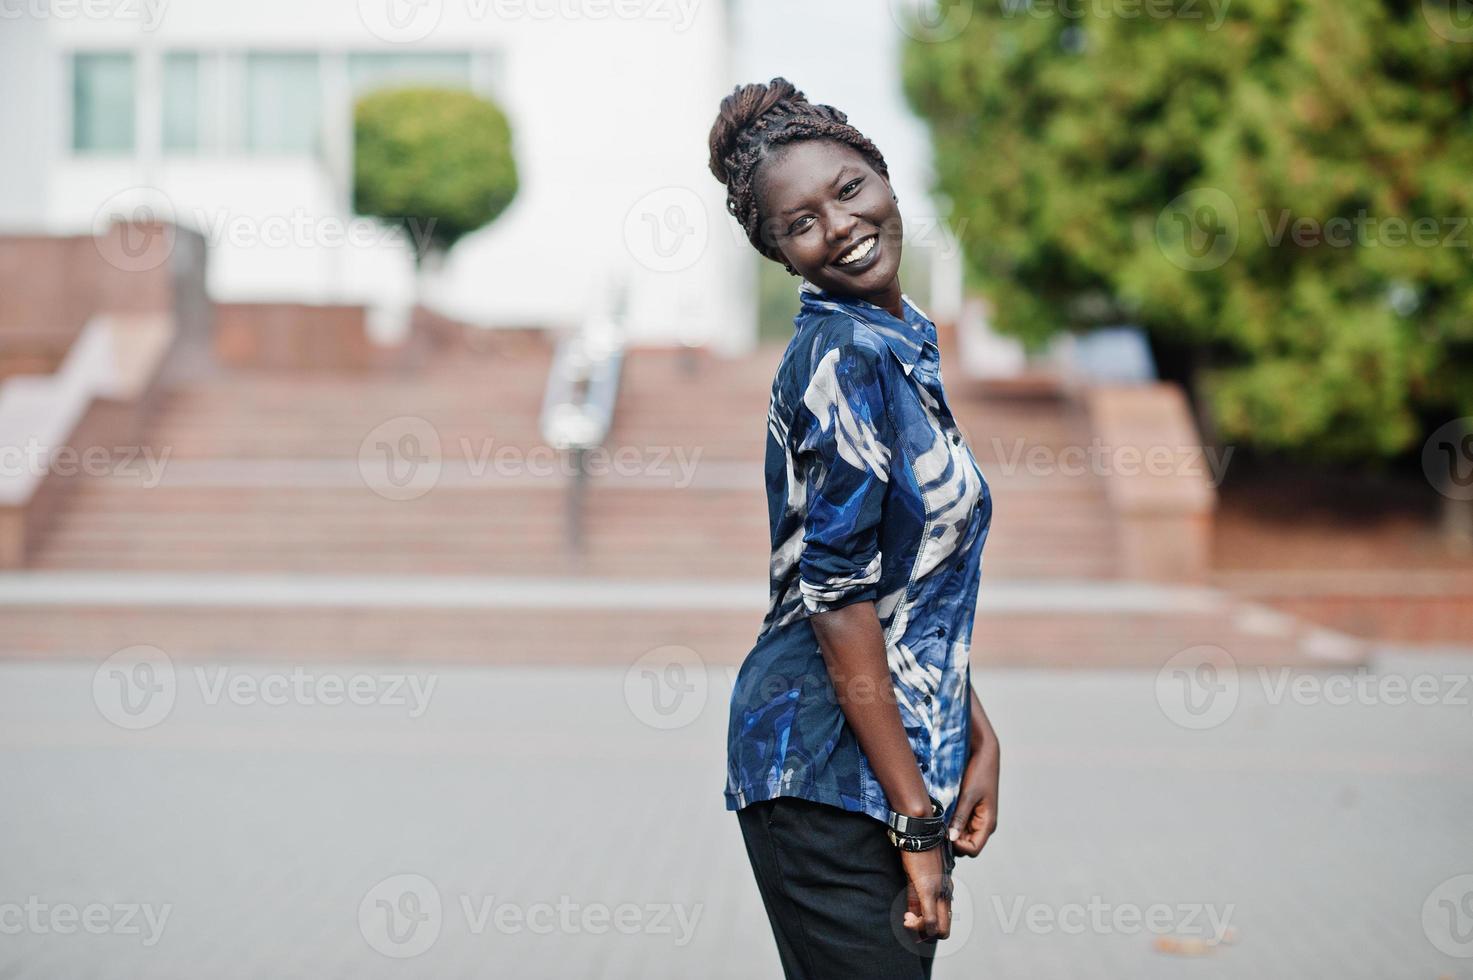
(742, 110)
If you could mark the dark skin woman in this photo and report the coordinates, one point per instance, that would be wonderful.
(825, 212)
(821, 200)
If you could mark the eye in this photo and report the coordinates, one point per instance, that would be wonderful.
(851, 188)
(799, 226)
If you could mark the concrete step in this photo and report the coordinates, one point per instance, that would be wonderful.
(524, 620)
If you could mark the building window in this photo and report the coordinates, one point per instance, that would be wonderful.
(282, 103)
(374, 70)
(102, 103)
(183, 103)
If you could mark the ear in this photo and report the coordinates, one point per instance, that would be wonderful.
(782, 260)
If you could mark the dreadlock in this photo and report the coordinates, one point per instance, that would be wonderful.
(756, 119)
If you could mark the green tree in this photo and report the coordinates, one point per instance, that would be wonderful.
(436, 162)
(1281, 186)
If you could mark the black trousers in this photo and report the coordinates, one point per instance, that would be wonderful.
(834, 890)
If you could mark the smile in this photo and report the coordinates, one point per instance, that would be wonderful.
(860, 252)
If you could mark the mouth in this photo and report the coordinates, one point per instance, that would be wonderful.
(860, 256)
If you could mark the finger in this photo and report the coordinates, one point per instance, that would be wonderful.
(986, 835)
(972, 843)
(962, 815)
(913, 919)
(974, 836)
(930, 917)
(943, 924)
(969, 844)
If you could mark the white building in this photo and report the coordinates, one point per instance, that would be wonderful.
(236, 117)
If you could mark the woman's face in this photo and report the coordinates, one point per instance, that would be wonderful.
(834, 218)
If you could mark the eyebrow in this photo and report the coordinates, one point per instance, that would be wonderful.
(846, 168)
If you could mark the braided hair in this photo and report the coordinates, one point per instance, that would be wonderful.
(754, 120)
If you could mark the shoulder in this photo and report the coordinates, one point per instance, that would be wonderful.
(835, 335)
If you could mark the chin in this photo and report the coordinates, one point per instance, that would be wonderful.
(877, 280)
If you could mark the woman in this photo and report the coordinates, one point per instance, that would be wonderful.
(859, 757)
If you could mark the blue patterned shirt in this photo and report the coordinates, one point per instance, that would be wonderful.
(873, 494)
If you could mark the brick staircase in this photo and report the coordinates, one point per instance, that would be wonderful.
(263, 538)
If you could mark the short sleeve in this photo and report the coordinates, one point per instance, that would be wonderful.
(844, 455)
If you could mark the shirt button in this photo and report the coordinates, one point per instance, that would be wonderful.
(941, 631)
(925, 767)
(956, 438)
(928, 699)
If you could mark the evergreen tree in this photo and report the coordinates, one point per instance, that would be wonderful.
(1282, 186)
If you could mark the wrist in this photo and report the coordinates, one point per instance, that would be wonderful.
(919, 807)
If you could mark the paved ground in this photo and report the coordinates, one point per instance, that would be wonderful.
(523, 823)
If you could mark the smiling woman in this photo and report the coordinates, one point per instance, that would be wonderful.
(830, 216)
(858, 756)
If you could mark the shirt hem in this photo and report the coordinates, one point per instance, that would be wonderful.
(748, 795)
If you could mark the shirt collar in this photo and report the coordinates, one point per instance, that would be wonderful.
(906, 337)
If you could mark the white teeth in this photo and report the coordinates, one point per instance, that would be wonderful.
(858, 252)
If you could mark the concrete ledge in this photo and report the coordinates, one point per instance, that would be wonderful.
(94, 402)
(147, 319)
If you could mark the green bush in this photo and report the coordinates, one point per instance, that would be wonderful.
(436, 162)
(1281, 186)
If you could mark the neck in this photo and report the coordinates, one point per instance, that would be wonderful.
(889, 300)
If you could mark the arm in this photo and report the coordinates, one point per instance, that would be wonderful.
(975, 819)
(853, 648)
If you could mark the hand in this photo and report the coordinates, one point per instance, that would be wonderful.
(928, 893)
(974, 820)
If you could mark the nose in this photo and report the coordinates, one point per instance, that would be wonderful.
(841, 226)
